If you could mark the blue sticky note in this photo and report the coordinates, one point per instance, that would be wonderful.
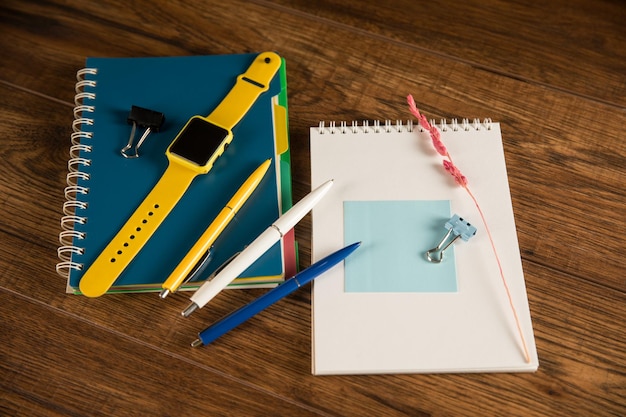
(395, 236)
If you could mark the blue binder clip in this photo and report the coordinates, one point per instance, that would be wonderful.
(457, 228)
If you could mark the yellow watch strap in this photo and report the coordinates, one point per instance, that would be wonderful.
(135, 233)
(247, 89)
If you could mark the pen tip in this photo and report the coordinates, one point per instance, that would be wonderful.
(196, 343)
(164, 293)
(190, 309)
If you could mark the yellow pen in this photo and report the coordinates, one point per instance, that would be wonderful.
(201, 248)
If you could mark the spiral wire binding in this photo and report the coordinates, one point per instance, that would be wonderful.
(389, 126)
(76, 164)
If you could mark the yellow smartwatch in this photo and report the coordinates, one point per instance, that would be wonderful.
(193, 152)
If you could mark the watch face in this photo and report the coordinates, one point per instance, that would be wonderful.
(198, 141)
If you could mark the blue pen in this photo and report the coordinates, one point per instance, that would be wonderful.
(239, 316)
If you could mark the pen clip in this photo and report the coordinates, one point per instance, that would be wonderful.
(222, 266)
(199, 267)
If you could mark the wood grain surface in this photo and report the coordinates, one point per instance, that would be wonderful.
(552, 73)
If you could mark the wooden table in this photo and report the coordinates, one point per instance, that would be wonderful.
(554, 76)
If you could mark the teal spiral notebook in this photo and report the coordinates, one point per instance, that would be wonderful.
(104, 188)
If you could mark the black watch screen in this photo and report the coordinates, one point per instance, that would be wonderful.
(199, 140)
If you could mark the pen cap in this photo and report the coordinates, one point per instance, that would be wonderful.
(325, 264)
(288, 220)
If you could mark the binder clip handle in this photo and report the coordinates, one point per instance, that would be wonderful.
(148, 119)
(457, 228)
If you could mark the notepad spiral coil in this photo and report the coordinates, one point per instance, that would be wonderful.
(399, 126)
(77, 178)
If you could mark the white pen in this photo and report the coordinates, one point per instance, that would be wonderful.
(254, 250)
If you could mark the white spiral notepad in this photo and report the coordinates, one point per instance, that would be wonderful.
(388, 310)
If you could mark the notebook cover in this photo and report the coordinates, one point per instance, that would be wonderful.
(179, 87)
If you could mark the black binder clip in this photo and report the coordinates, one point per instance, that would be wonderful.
(457, 228)
(148, 119)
